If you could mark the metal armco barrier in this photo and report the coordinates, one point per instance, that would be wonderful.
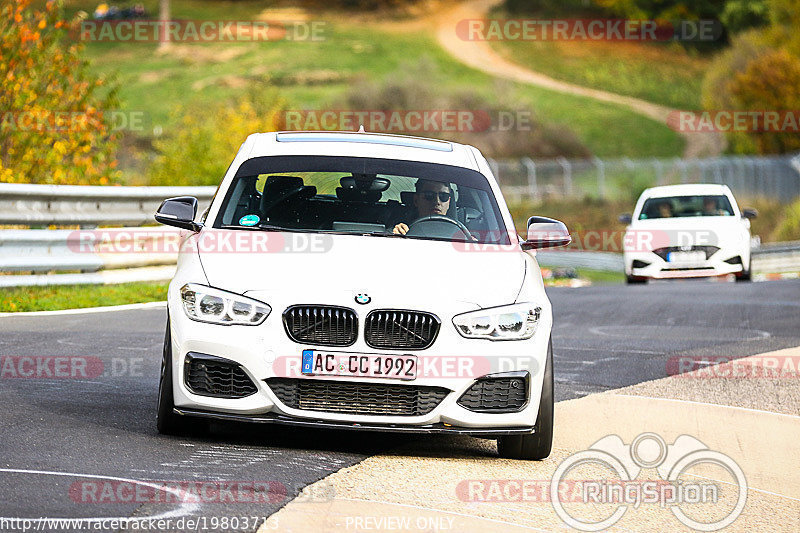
(88, 206)
(55, 257)
(771, 257)
(776, 177)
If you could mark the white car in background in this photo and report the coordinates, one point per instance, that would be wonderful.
(323, 314)
(687, 231)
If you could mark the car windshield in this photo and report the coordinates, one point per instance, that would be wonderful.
(363, 196)
(716, 205)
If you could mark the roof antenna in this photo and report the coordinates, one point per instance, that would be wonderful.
(361, 129)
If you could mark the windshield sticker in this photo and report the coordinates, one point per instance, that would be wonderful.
(249, 220)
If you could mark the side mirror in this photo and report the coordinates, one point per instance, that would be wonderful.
(546, 232)
(749, 213)
(179, 212)
(626, 218)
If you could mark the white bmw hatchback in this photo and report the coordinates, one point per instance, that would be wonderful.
(360, 281)
(687, 231)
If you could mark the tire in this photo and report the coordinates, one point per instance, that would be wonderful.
(167, 422)
(746, 275)
(537, 445)
(635, 280)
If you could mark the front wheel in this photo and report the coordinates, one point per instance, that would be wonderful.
(537, 445)
(746, 275)
(167, 422)
(635, 280)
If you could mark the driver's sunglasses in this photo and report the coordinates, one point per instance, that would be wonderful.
(430, 196)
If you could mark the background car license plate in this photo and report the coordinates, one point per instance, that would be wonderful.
(686, 257)
(324, 363)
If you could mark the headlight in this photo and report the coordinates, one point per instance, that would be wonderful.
(206, 304)
(509, 322)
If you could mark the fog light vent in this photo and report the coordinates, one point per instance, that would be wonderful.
(208, 375)
(506, 394)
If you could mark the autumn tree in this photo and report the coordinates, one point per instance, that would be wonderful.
(54, 124)
(771, 82)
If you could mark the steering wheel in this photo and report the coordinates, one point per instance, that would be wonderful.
(440, 218)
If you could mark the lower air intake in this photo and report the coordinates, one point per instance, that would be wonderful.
(496, 395)
(208, 375)
(357, 398)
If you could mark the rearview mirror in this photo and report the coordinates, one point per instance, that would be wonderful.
(546, 232)
(749, 213)
(626, 218)
(179, 212)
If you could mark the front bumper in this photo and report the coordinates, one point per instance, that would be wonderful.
(260, 349)
(273, 418)
(658, 268)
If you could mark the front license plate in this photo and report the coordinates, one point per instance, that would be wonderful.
(686, 257)
(324, 363)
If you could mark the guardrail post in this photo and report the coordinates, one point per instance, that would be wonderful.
(530, 169)
(567, 174)
(658, 171)
(601, 176)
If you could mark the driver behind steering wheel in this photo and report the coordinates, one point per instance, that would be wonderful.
(430, 198)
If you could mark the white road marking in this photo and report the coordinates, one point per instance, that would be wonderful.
(106, 309)
(184, 509)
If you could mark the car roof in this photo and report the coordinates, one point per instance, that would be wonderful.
(686, 189)
(356, 144)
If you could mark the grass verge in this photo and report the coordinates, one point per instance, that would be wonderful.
(600, 276)
(159, 88)
(54, 297)
(665, 73)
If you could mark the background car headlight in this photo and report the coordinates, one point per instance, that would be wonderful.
(509, 322)
(206, 304)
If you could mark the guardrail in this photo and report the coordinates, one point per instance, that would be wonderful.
(775, 177)
(139, 254)
(767, 257)
(116, 255)
(86, 205)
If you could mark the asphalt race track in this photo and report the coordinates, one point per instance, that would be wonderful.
(59, 433)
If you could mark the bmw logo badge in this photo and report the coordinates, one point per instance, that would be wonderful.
(363, 298)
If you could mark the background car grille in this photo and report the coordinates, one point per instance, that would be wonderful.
(496, 395)
(321, 324)
(357, 398)
(412, 330)
(709, 250)
(208, 375)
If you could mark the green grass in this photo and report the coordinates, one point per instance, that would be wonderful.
(196, 76)
(54, 297)
(661, 73)
(600, 276)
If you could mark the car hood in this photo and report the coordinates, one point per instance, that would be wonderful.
(688, 231)
(395, 271)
